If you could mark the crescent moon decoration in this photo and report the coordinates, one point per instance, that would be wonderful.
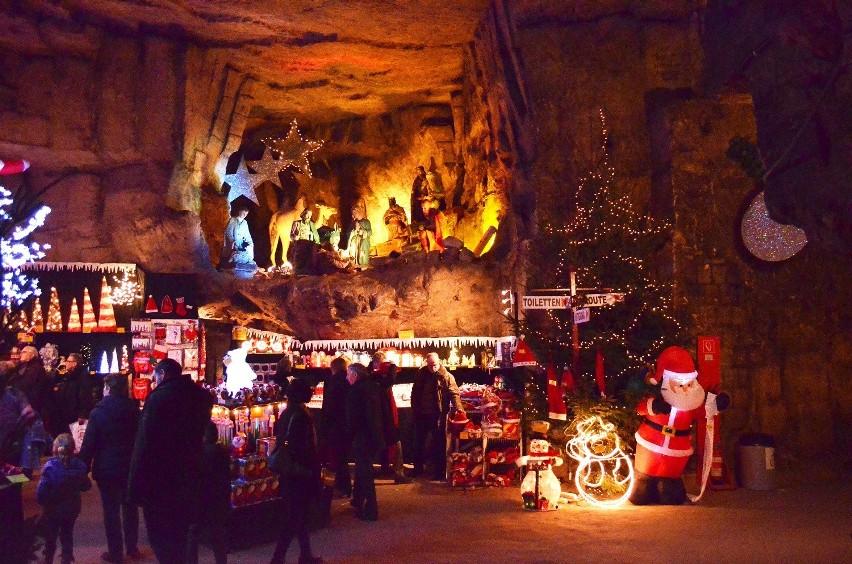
(767, 239)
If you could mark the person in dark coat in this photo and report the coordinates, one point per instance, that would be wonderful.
(363, 412)
(31, 378)
(106, 451)
(335, 430)
(296, 428)
(433, 395)
(385, 373)
(168, 459)
(16, 417)
(215, 500)
(73, 395)
(63, 479)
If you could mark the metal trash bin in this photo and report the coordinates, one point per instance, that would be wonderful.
(757, 461)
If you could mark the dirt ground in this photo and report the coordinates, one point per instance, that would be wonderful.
(427, 522)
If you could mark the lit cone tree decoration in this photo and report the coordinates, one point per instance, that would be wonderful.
(609, 243)
(54, 316)
(37, 323)
(106, 315)
(89, 321)
(74, 324)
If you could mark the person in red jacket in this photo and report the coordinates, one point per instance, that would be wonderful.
(663, 441)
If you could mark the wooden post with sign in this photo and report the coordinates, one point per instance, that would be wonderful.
(575, 332)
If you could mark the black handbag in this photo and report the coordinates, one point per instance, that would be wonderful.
(282, 461)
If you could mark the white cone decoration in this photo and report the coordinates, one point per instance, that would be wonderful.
(104, 368)
(113, 367)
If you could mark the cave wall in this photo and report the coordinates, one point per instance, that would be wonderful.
(108, 110)
(784, 328)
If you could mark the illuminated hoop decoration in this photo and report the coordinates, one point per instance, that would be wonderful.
(597, 448)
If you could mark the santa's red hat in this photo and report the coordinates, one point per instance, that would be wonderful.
(675, 363)
(523, 355)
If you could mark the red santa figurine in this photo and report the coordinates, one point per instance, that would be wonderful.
(663, 441)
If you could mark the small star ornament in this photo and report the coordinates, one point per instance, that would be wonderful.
(268, 168)
(242, 183)
(293, 150)
(767, 239)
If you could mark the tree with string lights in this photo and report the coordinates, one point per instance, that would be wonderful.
(610, 244)
(21, 213)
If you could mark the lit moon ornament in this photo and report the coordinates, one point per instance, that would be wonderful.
(604, 477)
(767, 239)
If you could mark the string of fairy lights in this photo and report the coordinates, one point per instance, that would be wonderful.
(604, 217)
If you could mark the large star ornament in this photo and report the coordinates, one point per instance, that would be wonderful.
(267, 168)
(293, 150)
(242, 183)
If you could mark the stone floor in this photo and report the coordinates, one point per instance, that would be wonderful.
(427, 522)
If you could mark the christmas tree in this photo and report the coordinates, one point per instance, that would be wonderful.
(609, 244)
(54, 316)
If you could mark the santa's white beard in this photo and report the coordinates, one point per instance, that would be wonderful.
(685, 398)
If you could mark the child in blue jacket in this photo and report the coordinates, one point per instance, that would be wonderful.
(63, 478)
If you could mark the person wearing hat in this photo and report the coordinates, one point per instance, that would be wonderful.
(295, 427)
(663, 441)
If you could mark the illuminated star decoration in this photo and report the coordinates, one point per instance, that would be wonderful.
(267, 168)
(242, 183)
(293, 150)
(767, 239)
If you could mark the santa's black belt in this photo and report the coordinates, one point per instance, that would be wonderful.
(668, 431)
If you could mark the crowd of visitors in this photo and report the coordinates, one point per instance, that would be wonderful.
(167, 462)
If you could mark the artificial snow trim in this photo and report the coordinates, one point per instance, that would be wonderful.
(103, 267)
(267, 336)
(417, 342)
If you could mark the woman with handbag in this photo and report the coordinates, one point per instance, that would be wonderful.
(296, 459)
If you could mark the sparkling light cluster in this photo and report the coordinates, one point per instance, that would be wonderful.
(767, 239)
(127, 291)
(16, 251)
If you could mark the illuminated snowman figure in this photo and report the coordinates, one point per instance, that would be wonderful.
(604, 476)
(239, 373)
(540, 488)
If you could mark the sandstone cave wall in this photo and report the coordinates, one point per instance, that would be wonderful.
(109, 109)
(785, 328)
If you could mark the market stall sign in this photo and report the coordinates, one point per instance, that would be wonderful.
(582, 315)
(598, 300)
(545, 302)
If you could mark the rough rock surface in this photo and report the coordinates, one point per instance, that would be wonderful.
(434, 298)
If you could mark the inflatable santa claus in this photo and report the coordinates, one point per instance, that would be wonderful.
(663, 441)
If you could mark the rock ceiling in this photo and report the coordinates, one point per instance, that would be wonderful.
(312, 57)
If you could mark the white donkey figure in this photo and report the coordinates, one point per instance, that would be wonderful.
(279, 229)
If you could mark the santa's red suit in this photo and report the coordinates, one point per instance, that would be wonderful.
(663, 442)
